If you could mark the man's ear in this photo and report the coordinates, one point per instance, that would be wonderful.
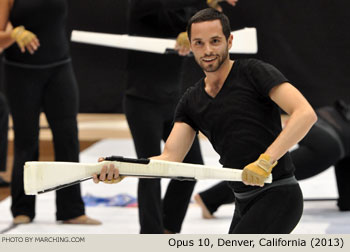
(230, 39)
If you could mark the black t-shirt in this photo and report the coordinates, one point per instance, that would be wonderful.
(47, 19)
(242, 120)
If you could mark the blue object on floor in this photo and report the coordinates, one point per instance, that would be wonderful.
(91, 200)
(122, 200)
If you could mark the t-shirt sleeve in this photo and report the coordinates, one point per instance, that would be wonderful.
(265, 76)
(182, 112)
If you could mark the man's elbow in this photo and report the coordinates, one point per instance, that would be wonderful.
(310, 116)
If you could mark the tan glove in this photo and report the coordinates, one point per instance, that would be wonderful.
(114, 181)
(256, 172)
(214, 4)
(108, 170)
(22, 36)
(182, 40)
(183, 44)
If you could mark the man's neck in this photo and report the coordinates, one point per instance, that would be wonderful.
(215, 80)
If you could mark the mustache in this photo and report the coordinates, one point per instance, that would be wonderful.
(209, 55)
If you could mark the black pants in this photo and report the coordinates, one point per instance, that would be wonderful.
(317, 152)
(217, 195)
(4, 114)
(53, 91)
(150, 123)
(342, 174)
(276, 210)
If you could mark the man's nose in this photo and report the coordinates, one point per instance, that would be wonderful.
(208, 49)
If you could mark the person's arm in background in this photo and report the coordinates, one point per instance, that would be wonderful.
(216, 3)
(176, 147)
(25, 39)
(5, 34)
(145, 7)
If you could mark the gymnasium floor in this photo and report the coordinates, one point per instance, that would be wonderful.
(320, 217)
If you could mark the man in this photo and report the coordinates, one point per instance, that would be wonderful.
(237, 107)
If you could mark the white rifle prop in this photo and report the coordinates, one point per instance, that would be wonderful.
(40, 177)
(244, 41)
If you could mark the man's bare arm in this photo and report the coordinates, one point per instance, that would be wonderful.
(178, 143)
(302, 117)
(176, 147)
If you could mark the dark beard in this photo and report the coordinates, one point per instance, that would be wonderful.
(210, 69)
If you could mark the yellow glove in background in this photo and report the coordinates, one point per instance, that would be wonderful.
(183, 44)
(214, 4)
(182, 40)
(256, 172)
(22, 36)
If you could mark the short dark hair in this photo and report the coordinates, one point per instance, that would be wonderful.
(210, 14)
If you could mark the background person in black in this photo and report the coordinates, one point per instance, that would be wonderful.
(236, 107)
(151, 96)
(152, 92)
(41, 80)
(333, 128)
(4, 113)
(326, 144)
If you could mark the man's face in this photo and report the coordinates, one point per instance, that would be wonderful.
(209, 45)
